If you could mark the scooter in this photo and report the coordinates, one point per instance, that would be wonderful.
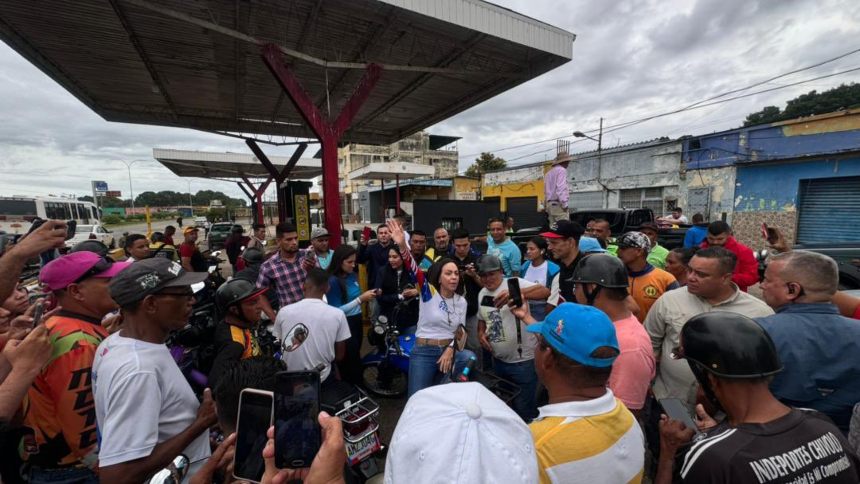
(385, 371)
(192, 346)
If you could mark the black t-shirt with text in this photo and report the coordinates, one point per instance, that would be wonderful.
(565, 279)
(802, 447)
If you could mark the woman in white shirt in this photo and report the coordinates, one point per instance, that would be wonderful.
(441, 319)
(539, 270)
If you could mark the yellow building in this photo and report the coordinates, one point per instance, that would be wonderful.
(519, 191)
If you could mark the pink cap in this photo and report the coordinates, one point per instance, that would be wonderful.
(59, 273)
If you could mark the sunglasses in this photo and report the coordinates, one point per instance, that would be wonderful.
(102, 265)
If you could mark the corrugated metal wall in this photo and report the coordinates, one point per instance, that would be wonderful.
(829, 210)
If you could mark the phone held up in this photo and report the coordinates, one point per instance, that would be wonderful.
(254, 419)
(298, 435)
(514, 292)
(677, 410)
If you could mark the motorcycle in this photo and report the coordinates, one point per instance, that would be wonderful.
(385, 371)
(192, 346)
(358, 412)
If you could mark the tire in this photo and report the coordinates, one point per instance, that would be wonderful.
(370, 377)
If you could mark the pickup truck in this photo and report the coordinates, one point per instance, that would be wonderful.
(847, 257)
(620, 221)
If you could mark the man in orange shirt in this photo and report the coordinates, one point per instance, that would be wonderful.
(647, 283)
(59, 407)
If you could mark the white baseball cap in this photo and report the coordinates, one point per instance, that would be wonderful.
(460, 433)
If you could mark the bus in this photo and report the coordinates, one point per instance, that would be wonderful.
(17, 213)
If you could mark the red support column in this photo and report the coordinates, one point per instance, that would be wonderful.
(328, 133)
(258, 196)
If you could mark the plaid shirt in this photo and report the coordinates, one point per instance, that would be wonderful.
(288, 277)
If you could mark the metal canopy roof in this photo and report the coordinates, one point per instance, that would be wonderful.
(198, 64)
(202, 164)
(391, 170)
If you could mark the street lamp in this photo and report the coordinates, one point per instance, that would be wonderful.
(130, 188)
(599, 139)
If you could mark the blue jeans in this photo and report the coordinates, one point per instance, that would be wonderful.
(423, 369)
(67, 475)
(525, 376)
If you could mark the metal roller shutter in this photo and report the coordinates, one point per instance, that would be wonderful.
(829, 210)
(524, 210)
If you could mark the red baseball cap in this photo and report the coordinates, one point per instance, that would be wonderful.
(71, 268)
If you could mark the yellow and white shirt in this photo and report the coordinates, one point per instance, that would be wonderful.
(597, 440)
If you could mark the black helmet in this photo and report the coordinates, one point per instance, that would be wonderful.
(235, 291)
(601, 269)
(729, 345)
(91, 246)
(253, 255)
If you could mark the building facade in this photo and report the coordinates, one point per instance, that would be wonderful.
(801, 176)
(422, 148)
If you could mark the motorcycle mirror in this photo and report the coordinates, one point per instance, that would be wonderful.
(297, 335)
(382, 319)
(198, 287)
(173, 473)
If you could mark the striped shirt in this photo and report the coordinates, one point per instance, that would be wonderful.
(589, 441)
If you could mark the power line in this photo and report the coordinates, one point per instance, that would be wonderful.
(693, 105)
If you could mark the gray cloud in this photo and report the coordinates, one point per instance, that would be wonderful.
(631, 59)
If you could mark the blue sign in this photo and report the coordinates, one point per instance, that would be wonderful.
(100, 186)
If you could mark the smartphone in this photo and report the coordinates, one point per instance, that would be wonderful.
(488, 301)
(71, 228)
(37, 313)
(514, 291)
(366, 233)
(253, 421)
(298, 435)
(677, 410)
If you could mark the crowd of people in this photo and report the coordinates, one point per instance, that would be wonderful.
(607, 334)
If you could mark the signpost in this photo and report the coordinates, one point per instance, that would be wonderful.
(99, 189)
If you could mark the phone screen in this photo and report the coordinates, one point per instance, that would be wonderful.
(676, 410)
(297, 406)
(514, 291)
(487, 301)
(255, 418)
(37, 313)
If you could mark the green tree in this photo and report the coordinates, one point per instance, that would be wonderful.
(484, 163)
(843, 97)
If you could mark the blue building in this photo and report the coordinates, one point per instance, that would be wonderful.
(801, 175)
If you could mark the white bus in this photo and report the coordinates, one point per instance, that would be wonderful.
(17, 213)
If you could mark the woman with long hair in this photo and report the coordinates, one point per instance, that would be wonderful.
(539, 270)
(345, 293)
(678, 263)
(397, 288)
(441, 319)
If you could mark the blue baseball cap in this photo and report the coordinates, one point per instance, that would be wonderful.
(576, 331)
(587, 245)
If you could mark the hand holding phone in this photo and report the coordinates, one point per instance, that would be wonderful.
(365, 235)
(676, 410)
(254, 418)
(298, 435)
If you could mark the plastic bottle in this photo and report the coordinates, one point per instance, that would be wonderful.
(464, 376)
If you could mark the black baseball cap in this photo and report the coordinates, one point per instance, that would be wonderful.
(564, 229)
(149, 276)
(489, 263)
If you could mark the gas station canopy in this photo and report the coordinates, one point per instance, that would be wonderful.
(202, 164)
(198, 64)
(391, 170)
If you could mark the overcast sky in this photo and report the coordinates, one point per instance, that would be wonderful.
(631, 59)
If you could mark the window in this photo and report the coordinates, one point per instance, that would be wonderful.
(57, 211)
(18, 207)
(581, 200)
(643, 198)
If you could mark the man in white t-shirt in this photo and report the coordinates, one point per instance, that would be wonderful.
(505, 337)
(147, 412)
(325, 329)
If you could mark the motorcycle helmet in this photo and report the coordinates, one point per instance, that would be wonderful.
(253, 256)
(94, 246)
(727, 345)
(234, 292)
(603, 270)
